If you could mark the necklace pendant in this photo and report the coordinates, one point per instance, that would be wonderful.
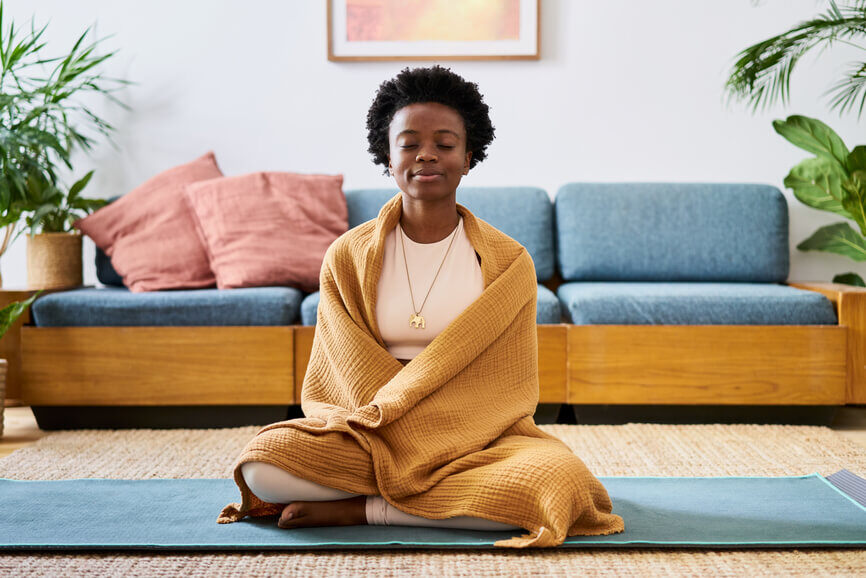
(417, 321)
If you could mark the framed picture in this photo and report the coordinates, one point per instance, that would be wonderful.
(434, 29)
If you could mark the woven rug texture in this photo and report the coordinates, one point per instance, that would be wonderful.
(634, 449)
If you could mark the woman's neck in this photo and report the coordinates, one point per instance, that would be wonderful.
(429, 221)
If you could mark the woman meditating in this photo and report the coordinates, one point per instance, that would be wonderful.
(423, 376)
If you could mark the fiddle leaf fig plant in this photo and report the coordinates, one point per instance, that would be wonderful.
(833, 180)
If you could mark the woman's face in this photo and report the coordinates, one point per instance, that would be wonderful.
(428, 155)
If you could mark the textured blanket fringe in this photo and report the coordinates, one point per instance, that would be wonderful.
(234, 512)
(231, 513)
(543, 538)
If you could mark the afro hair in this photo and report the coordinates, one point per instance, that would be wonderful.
(434, 84)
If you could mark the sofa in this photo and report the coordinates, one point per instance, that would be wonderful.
(649, 295)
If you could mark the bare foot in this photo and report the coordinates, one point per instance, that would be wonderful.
(348, 512)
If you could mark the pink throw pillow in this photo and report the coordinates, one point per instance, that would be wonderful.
(150, 235)
(269, 228)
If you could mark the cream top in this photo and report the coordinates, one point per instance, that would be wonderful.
(459, 283)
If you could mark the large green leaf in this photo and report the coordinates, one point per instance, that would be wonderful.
(854, 190)
(849, 278)
(812, 135)
(856, 161)
(42, 212)
(37, 187)
(838, 238)
(78, 186)
(855, 201)
(88, 204)
(10, 313)
(817, 182)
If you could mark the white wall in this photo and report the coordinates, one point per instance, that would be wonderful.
(624, 91)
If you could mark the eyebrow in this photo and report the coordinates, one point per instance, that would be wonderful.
(408, 131)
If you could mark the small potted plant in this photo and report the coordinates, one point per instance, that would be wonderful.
(42, 122)
(8, 316)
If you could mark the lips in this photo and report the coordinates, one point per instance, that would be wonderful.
(428, 174)
(428, 177)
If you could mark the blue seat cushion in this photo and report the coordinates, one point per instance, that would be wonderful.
(548, 311)
(310, 309)
(523, 213)
(623, 303)
(116, 306)
(671, 232)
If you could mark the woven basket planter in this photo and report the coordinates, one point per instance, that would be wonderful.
(54, 260)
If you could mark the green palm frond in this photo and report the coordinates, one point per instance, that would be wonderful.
(762, 72)
(849, 88)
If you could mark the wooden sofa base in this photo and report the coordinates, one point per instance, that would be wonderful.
(707, 364)
(246, 366)
(157, 366)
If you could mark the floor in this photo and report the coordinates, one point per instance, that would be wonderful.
(20, 427)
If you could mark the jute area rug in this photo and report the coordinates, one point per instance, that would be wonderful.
(634, 449)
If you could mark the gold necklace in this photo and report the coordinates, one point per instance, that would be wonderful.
(416, 320)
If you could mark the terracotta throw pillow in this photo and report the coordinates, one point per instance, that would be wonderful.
(150, 235)
(269, 228)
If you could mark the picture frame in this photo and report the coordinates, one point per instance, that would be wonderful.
(370, 30)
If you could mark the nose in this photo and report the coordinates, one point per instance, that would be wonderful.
(425, 155)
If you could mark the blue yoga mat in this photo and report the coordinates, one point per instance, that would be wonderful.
(674, 512)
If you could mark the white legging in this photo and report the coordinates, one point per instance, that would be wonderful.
(277, 486)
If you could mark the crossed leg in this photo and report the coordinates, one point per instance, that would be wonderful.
(312, 504)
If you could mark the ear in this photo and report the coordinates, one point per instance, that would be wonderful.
(466, 162)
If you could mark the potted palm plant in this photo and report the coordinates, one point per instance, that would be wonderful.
(835, 178)
(42, 122)
(8, 316)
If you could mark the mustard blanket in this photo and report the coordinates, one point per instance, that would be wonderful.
(449, 434)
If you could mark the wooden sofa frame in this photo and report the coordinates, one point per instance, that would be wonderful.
(578, 364)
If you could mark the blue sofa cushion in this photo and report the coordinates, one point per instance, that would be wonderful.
(548, 311)
(310, 309)
(671, 232)
(523, 213)
(548, 308)
(104, 269)
(114, 306)
(596, 303)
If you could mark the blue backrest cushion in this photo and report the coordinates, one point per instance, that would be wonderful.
(671, 232)
(104, 269)
(523, 213)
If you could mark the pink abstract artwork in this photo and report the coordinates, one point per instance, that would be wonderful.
(424, 20)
